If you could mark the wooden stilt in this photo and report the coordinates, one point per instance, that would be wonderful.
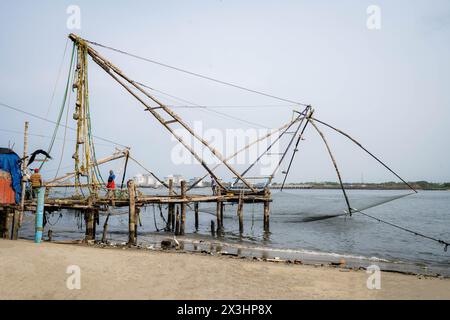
(196, 215)
(177, 221)
(222, 207)
(15, 225)
(132, 238)
(266, 210)
(183, 208)
(240, 215)
(218, 211)
(266, 215)
(213, 228)
(5, 223)
(2, 223)
(170, 211)
(105, 229)
(90, 224)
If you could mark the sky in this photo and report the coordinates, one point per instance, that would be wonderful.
(387, 87)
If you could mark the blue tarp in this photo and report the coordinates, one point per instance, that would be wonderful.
(9, 162)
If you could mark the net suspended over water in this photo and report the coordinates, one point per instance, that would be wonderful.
(297, 206)
(313, 205)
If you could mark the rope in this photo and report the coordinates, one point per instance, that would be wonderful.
(367, 151)
(196, 74)
(63, 105)
(203, 108)
(416, 233)
(57, 77)
(65, 132)
(2, 104)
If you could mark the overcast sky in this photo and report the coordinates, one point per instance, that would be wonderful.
(389, 88)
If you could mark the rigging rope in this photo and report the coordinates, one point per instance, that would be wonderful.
(57, 78)
(65, 128)
(203, 108)
(416, 233)
(196, 74)
(2, 104)
(63, 105)
(367, 151)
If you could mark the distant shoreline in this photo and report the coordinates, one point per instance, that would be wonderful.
(321, 186)
(355, 187)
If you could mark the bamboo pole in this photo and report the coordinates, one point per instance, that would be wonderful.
(108, 66)
(364, 149)
(132, 237)
(125, 169)
(245, 148)
(117, 155)
(183, 208)
(335, 165)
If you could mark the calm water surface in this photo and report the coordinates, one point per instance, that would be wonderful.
(297, 224)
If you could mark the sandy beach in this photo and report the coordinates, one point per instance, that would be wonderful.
(31, 271)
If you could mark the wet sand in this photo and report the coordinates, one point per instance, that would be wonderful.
(30, 271)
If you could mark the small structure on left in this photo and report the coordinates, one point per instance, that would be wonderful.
(10, 193)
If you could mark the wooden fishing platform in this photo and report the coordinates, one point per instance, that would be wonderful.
(177, 205)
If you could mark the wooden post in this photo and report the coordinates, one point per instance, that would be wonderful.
(5, 224)
(266, 209)
(2, 223)
(196, 215)
(218, 210)
(89, 218)
(132, 237)
(105, 228)
(266, 215)
(170, 211)
(213, 228)
(222, 207)
(183, 208)
(177, 222)
(18, 215)
(240, 215)
(15, 224)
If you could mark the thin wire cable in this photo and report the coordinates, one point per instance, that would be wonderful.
(231, 106)
(54, 122)
(367, 151)
(196, 74)
(202, 108)
(48, 137)
(445, 243)
(57, 78)
(65, 127)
